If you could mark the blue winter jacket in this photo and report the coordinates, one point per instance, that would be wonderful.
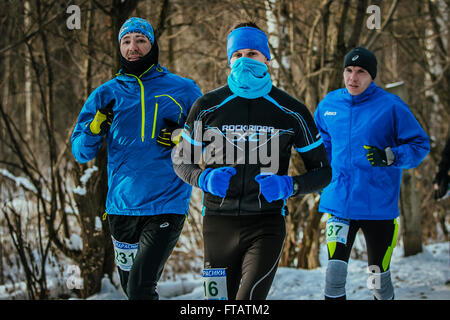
(374, 118)
(141, 179)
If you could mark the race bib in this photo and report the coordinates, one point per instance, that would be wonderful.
(124, 254)
(337, 229)
(215, 284)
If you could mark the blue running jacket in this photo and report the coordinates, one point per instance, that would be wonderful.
(141, 179)
(375, 118)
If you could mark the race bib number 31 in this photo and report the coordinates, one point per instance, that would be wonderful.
(124, 254)
(215, 284)
(337, 230)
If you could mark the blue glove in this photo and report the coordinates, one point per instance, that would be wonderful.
(275, 187)
(216, 181)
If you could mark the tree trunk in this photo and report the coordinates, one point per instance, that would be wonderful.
(27, 80)
(97, 256)
(410, 215)
(308, 254)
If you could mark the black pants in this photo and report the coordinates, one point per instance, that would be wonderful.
(380, 236)
(249, 247)
(155, 237)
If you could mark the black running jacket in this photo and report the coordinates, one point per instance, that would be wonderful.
(253, 136)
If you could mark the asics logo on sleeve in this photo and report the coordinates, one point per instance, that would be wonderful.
(329, 113)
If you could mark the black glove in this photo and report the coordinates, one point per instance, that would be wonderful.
(441, 184)
(165, 138)
(380, 158)
(103, 119)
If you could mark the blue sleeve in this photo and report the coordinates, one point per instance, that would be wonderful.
(192, 95)
(323, 132)
(413, 144)
(85, 145)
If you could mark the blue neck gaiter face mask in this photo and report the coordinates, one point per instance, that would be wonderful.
(249, 78)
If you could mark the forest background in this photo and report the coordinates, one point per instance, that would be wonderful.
(53, 54)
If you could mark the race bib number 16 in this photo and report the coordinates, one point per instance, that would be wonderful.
(337, 229)
(215, 284)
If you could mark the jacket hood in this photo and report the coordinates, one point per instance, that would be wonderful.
(152, 73)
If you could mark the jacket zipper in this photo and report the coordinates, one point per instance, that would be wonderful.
(143, 105)
(156, 111)
(154, 121)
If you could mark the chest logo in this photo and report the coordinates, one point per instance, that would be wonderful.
(329, 113)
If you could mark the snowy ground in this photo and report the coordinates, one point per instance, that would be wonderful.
(423, 276)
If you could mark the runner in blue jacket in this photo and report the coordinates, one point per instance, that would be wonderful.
(370, 136)
(146, 202)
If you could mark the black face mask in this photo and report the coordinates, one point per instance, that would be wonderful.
(138, 67)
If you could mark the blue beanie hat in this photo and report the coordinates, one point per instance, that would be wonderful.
(247, 38)
(137, 25)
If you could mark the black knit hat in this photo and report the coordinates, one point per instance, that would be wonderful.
(363, 58)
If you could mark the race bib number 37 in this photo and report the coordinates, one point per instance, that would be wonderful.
(124, 254)
(337, 230)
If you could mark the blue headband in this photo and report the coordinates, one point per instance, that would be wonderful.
(247, 38)
(137, 25)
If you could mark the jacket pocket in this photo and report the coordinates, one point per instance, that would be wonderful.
(166, 106)
(382, 187)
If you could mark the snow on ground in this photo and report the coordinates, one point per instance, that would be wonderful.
(423, 276)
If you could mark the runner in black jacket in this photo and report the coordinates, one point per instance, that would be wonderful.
(245, 132)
